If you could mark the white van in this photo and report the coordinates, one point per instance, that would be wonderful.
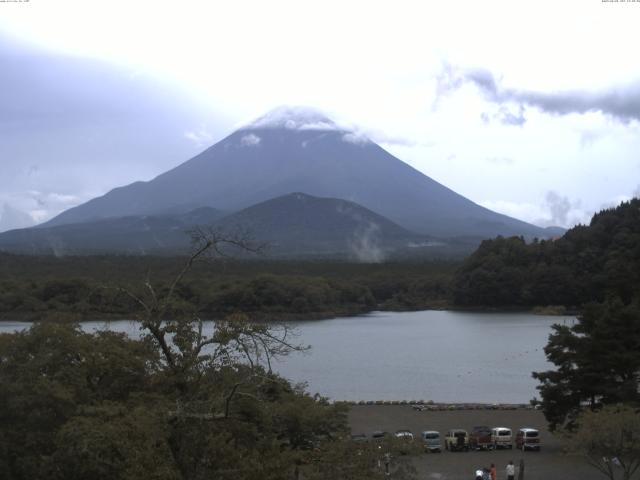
(528, 438)
(501, 437)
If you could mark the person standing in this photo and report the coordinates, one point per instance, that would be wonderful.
(492, 472)
(511, 471)
(521, 470)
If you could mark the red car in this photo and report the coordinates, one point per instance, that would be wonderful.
(480, 438)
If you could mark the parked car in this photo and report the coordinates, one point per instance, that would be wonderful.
(431, 441)
(359, 437)
(406, 439)
(379, 435)
(501, 437)
(480, 438)
(528, 438)
(404, 435)
(456, 440)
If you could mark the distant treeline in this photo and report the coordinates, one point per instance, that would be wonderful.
(77, 288)
(587, 264)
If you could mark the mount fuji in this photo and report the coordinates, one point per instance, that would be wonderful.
(293, 149)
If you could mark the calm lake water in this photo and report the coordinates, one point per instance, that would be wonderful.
(429, 355)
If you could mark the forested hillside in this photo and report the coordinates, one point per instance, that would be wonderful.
(586, 264)
(77, 288)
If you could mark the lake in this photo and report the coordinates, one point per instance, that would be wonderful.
(443, 356)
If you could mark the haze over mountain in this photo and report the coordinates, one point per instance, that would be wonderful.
(301, 150)
(294, 225)
(137, 235)
(11, 218)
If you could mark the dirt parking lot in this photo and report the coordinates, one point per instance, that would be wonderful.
(548, 464)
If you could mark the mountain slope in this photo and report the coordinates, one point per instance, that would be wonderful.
(294, 225)
(131, 235)
(299, 224)
(298, 151)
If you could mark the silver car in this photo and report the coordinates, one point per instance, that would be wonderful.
(431, 441)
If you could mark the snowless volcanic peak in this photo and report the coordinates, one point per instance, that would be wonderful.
(299, 149)
(294, 118)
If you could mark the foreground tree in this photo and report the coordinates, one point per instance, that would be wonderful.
(610, 441)
(597, 360)
(189, 400)
(52, 373)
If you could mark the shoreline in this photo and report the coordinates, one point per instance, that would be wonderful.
(73, 317)
(432, 406)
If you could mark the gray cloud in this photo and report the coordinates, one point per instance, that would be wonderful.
(507, 117)
(71, 125)
(365, 244)
(621, 102)
(559, 207)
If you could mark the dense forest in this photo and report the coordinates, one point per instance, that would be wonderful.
(77, 288)
(587, 264)
(185, 401)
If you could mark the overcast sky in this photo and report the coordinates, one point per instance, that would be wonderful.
(529, 108)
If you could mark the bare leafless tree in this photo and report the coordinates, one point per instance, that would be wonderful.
(187, 349)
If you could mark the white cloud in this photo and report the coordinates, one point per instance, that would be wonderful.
(618, 199)
(61, 199)
(555, 210)
(525, 211)
(201, 136)
(500, 160)
(250, 140)
(355, 138)
(37, 205)
(379, 136)
(311, 125)
(589, 137)
(41, 215)
(11, 218)
(294, 118)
